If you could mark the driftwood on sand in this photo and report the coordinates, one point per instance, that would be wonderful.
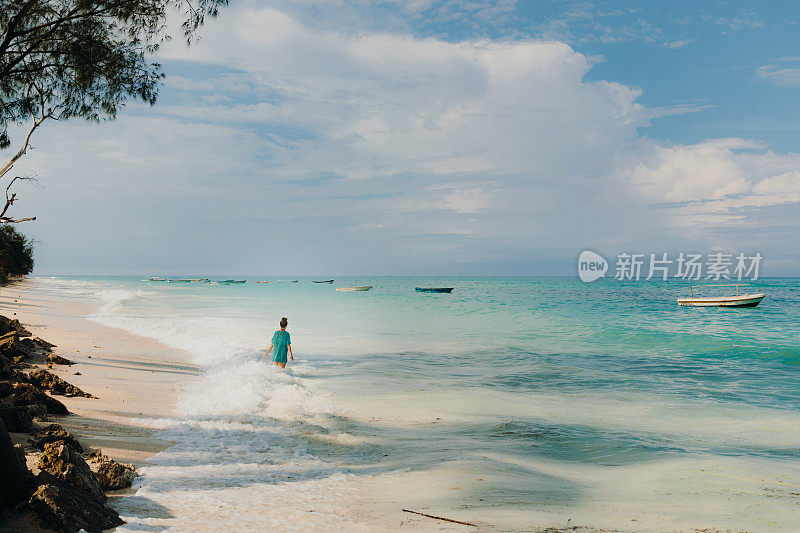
(440, 518)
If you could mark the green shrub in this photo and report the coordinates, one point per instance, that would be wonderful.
(16, 253)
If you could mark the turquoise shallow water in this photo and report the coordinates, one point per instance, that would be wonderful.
(570, 397)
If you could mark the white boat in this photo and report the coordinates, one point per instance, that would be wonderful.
(364, 288)
(739, 300)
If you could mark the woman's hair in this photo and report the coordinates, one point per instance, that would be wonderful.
(284, 322)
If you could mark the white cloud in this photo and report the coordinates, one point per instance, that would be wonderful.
(738, 23)
(782, 75)
(674, 45)
(716, 182)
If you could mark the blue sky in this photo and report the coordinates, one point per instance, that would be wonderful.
(438, 137)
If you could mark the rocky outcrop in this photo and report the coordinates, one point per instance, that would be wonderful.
(8, 325)
(45, 380)
(114, 476)
(27, 348)
(6, 367)
(43, 344)
(63, 507)
(65, 463)
(16, 419)
(111, 474)
(9, 343)
(55, 434)
(66, 495)
(27, 394)
(58, 360)
(16, 483)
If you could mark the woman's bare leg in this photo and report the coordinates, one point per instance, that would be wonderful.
(282, 365)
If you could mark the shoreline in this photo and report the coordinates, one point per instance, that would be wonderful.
(133, 377)
(126, 379)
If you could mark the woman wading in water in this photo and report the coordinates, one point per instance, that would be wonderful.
(281, 342)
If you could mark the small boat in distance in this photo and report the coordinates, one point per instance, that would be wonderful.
(364, 288)
(325, 281)
(157, 279)
(739, 300)
(180, 281)
(434, 289)
(288, 280)
(239, 281)
(262, 281)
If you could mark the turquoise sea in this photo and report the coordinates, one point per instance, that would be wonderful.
(515, 403)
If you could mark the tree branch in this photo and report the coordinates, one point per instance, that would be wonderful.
(36, 123)
(10, 201)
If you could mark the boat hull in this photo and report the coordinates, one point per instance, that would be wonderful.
(434, 289)
(350, 289)
(326, 281)
(745, 300)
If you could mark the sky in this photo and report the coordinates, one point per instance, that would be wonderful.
(437, 137)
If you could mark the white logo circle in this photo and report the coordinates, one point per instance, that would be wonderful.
(591, 266)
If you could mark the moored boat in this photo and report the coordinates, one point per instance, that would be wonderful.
(739, 300)
(324, 281)
(288, 280)
(364, 288)
(434, 289)
(261, 281)
(157, 279)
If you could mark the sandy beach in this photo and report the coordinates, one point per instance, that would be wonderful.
(133, 377)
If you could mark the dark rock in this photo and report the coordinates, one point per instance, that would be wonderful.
(43, 344)
(62, 507)
(8, 325)
(17, 482)
(27, 348)
(6, 389)
(16, 419)
(19, 362)
(65, 463)
(55, 433)
(58, 360)
(114, 476)
(37, 411)
(45, 380)
(8, 344)
(27, 394)
(5, 366)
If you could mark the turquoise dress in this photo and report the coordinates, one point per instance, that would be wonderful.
(280, 344)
